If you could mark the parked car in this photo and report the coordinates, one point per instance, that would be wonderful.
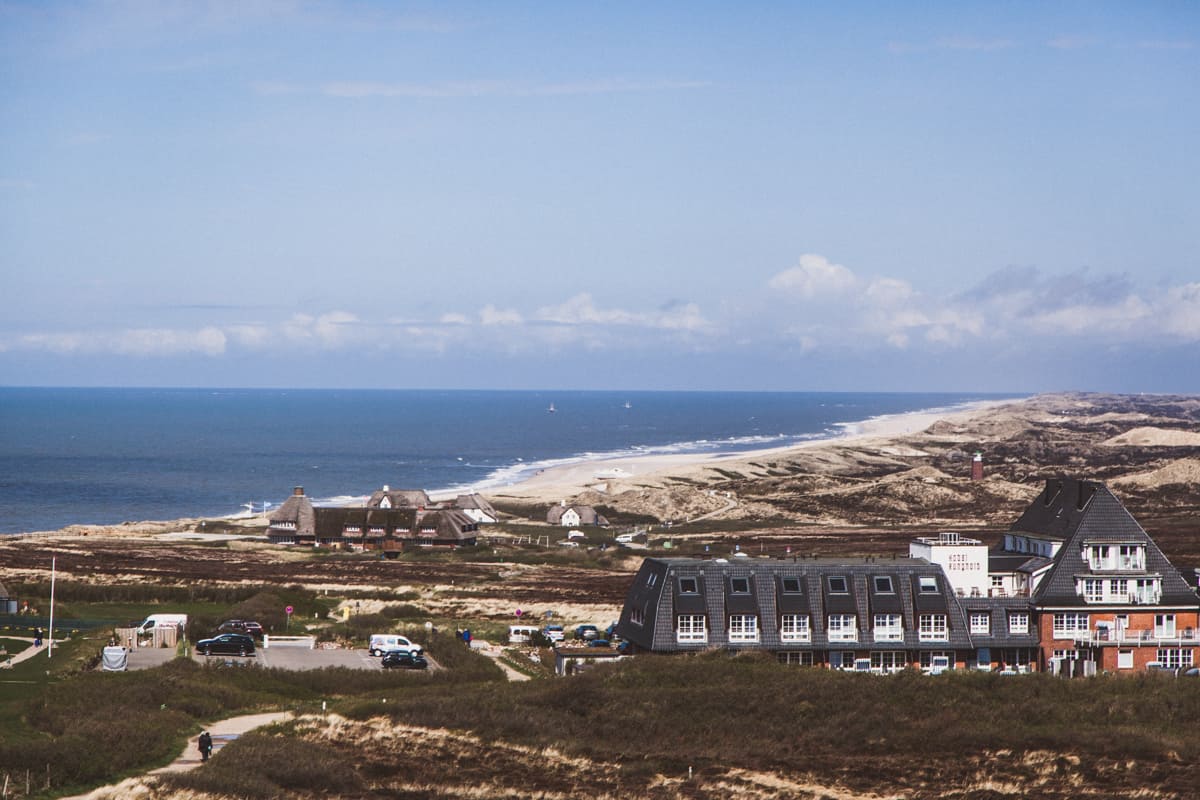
(380, 643)
(598, 643)
(587, 632)
(248, 627)
(554, 633)
(404, 659)
(226, 644)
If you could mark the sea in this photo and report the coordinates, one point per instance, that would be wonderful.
(106, 456)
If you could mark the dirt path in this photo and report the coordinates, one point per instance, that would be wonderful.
(223, 732)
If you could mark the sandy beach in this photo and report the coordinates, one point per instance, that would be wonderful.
(615, 475)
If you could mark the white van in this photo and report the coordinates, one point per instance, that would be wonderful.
(383, 642)
(147, 626)
(521, 634)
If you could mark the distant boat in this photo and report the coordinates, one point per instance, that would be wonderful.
(628, 404)
(551, 409)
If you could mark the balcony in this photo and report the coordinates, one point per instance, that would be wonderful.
(1135, 637)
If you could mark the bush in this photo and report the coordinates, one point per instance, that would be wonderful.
(260, 766)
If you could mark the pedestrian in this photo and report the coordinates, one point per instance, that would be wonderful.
(37, 637)
(205, 743)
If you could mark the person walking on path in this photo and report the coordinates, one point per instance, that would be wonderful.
(37, 637)
(206, 746)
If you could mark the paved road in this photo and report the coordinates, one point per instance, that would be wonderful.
(295, 658)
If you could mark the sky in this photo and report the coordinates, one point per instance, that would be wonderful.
(973, 197)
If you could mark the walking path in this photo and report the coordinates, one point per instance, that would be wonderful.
(24, 655)
(223, 732)
(494, 652)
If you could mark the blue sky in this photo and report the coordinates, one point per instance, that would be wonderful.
(783, 196)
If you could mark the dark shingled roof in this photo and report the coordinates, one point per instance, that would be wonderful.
(655, 592)
(1084, 512)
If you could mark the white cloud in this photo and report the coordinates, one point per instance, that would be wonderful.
(817, 306)
(490, 315)
(209, 341)
(814, 275)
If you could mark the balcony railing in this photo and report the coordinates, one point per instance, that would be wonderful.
(1135, 637)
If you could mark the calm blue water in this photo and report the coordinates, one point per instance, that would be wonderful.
(105, 456)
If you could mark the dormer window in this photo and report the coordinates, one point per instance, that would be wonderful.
(838, 585)
(883, 585)
(927, 584)
(739, 585)
(791, 586)
(688, 586)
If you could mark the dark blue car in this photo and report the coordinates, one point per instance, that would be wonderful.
(404, 659)
(226, 644)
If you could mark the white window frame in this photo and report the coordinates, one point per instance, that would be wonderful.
(637, 616)
(1124, 659)
(842, 628)
(1175, 657)
(691, 628)
(933, 628)
(927, 584)
(1018, 622)
(888, 628)
(981, 622)
(888, 660)
(795, 628)
(1165, 626)
(1093, 590)
(1146, 591)
(799, 658)
(743, 627)
(1131, 557)
(1067, 623)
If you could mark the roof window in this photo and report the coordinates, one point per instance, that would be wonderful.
(791, 585)
(928, 584)
(688, 586)
(838, 585)
(883, 584)
(739, 585)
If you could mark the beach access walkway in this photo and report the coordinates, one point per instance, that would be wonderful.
(223, 731)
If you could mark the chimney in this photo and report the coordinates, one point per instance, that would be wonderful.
(387, 488)
(1086, 490)
(298, 491)
(977, 466)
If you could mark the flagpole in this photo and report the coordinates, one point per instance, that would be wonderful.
(50, 640)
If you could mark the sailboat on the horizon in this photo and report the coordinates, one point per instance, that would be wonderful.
(551, 409)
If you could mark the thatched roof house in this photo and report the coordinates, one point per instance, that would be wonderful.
(294, 521)
(388, 497)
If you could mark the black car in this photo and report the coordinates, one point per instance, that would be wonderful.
(226, 644)
(248, 627)
(404, 660)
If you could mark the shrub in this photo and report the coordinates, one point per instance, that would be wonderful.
(261, 766)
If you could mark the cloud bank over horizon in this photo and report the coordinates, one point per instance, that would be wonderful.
(815, 309)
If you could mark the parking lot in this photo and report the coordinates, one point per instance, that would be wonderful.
(295, 658)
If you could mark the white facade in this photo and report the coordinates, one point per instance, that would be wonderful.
(964, 560)
(570, 518)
